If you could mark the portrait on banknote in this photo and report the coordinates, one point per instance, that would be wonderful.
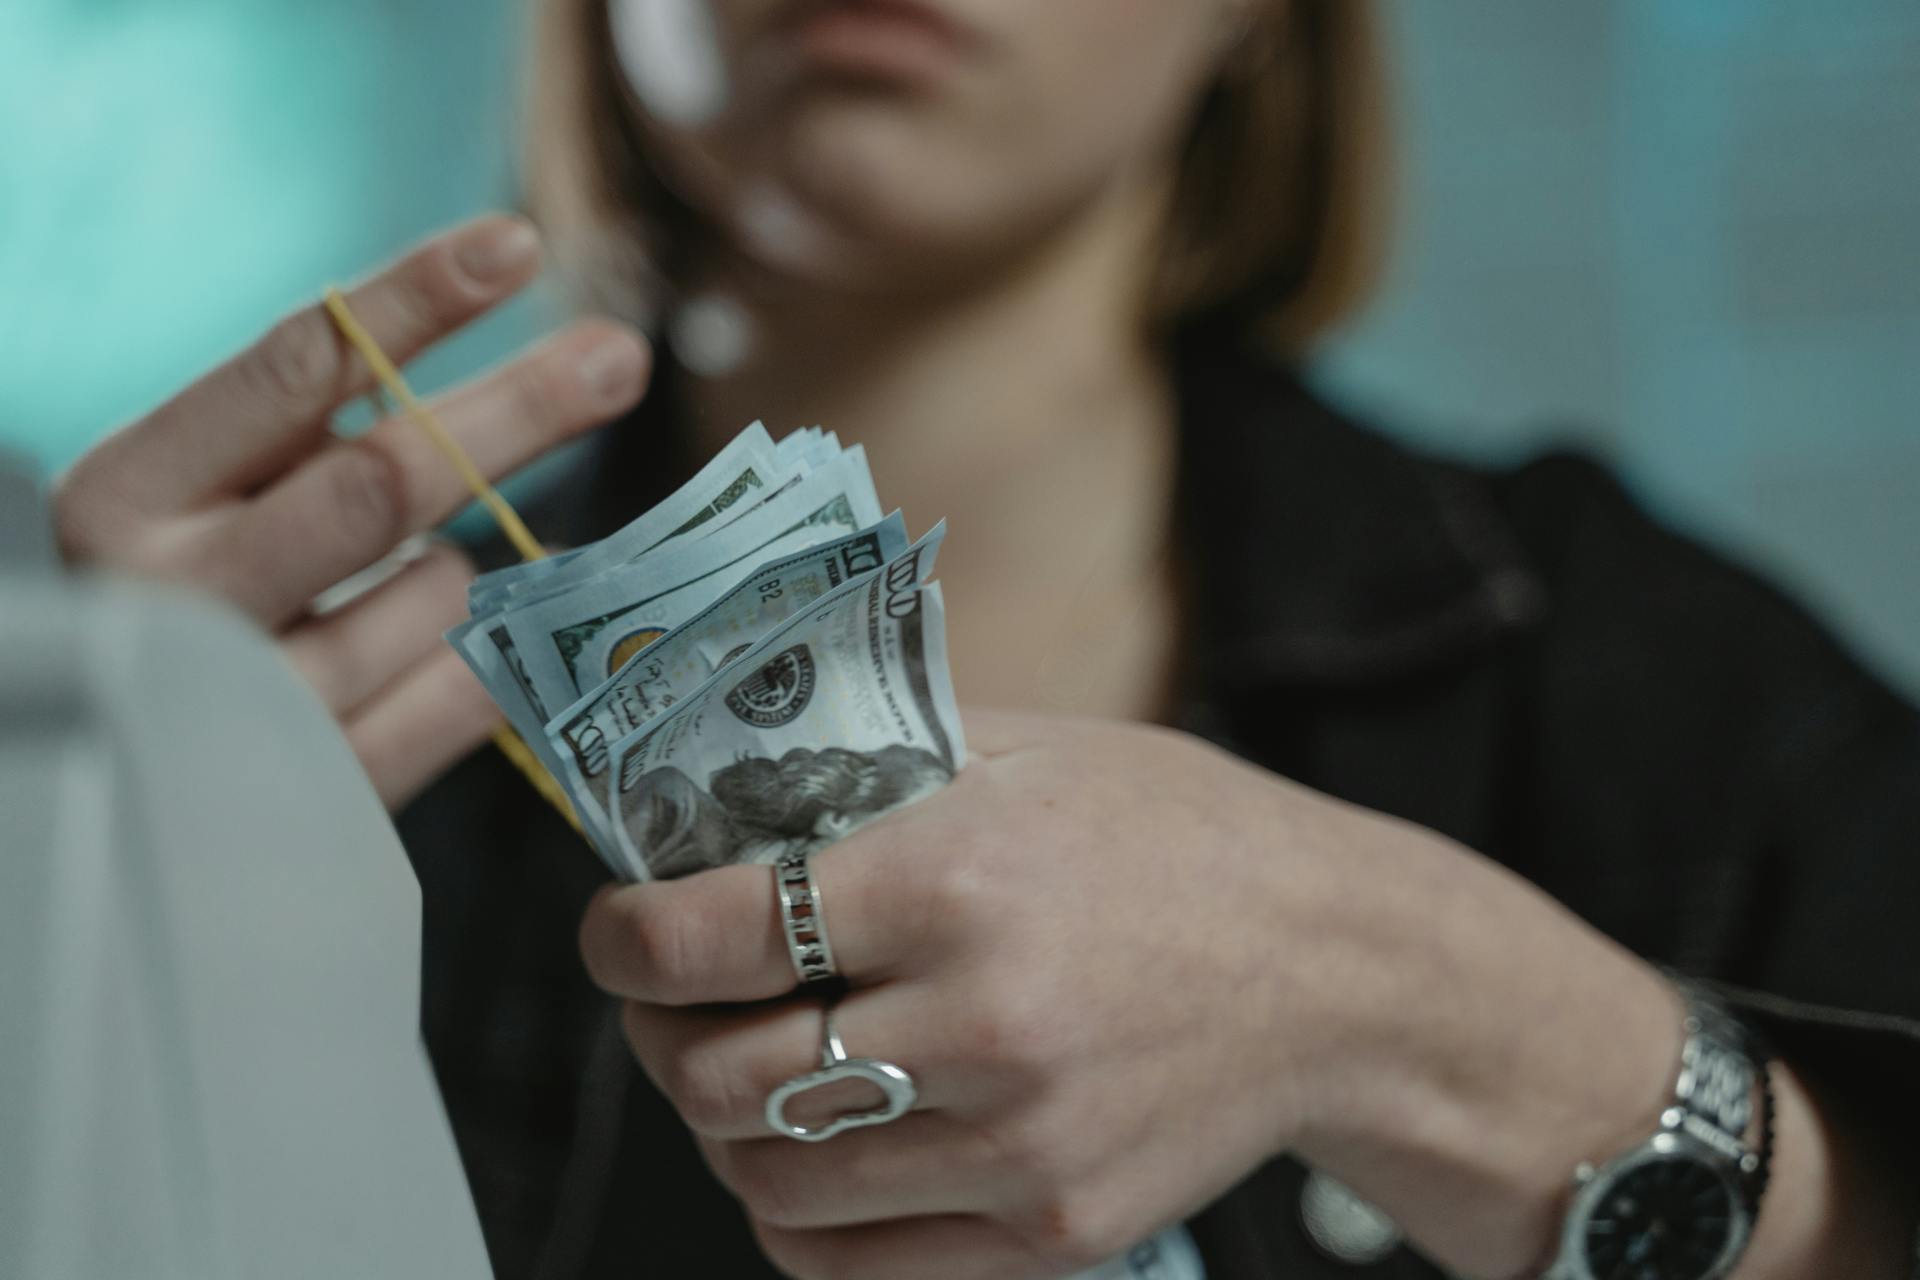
(757, 809)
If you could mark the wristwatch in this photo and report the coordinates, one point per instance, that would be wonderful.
(1681, 1205)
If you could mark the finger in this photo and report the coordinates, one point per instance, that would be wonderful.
(921, 1164)
(353, 502)
(247, 420)
(576, 380)
(718, 1065)
(425, 720)
(350, 654)
(717, 937)
(942, 1248)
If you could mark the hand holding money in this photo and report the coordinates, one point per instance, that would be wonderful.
(1124, 969)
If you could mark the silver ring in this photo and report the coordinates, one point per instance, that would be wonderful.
(801, 918)
(896, 1088)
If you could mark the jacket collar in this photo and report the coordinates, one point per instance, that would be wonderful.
(1321, 553)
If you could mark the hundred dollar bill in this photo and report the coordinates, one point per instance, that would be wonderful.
(796, 445)
(842, 713)
(664, 671)
(570, 642)
(743, 478)
(495, 666)
(609, 648)
(739, 473)
(810, 446)
(783, 466)
(488, 592)
(746, 470)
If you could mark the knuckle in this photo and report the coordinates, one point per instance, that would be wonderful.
(603, 940)
(622, 941)
(534, 388)
(797, 1254)
(770, 1192)
(442, 579)
(658, 944)
(704, 1087)
(1026, 1150)
(1006, 1031)
(83, 510)
(429, 298)
(1076, 1229)
(369, 492)
(953, 893)
(589, 938)
(657, 950)
(299, 364)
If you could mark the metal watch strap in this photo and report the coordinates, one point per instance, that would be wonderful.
(1723, 1067)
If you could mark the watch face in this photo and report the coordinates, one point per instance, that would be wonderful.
(1667, 1219)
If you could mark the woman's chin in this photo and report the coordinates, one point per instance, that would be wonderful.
(872, 259)
(865, 211)
(878, 247)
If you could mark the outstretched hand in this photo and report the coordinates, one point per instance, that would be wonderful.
(238, 487)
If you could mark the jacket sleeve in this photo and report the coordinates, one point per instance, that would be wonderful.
(1749, 807)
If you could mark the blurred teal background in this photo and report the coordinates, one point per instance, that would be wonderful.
(174, 174)
(1683, 232)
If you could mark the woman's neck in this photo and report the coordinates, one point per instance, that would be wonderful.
(1031, 412)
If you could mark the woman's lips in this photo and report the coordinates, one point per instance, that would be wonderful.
(884, 39)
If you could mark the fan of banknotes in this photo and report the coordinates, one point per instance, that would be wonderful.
(756, 665)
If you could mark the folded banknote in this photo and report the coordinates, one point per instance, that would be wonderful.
(756, 664)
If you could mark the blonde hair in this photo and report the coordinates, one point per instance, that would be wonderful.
(1276, 225)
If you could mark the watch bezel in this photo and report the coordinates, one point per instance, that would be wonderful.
(1596, 1183)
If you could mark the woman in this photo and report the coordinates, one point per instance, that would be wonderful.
(1041, 259)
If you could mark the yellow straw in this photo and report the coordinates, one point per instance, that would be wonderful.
(503, 515)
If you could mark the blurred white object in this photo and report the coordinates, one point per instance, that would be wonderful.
(210, 1064)
(1171, 1255)
(711, 335)
(775, 227)
(671, 52)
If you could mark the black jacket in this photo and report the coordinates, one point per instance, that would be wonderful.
(1518, 659)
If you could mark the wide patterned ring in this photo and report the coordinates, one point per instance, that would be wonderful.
(801, 919)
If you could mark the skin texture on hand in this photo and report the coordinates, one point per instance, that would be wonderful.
(238, 487)
(1124, 969)
(964, 924)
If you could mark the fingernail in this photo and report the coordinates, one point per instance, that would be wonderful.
(490, 254)
(610, 368)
